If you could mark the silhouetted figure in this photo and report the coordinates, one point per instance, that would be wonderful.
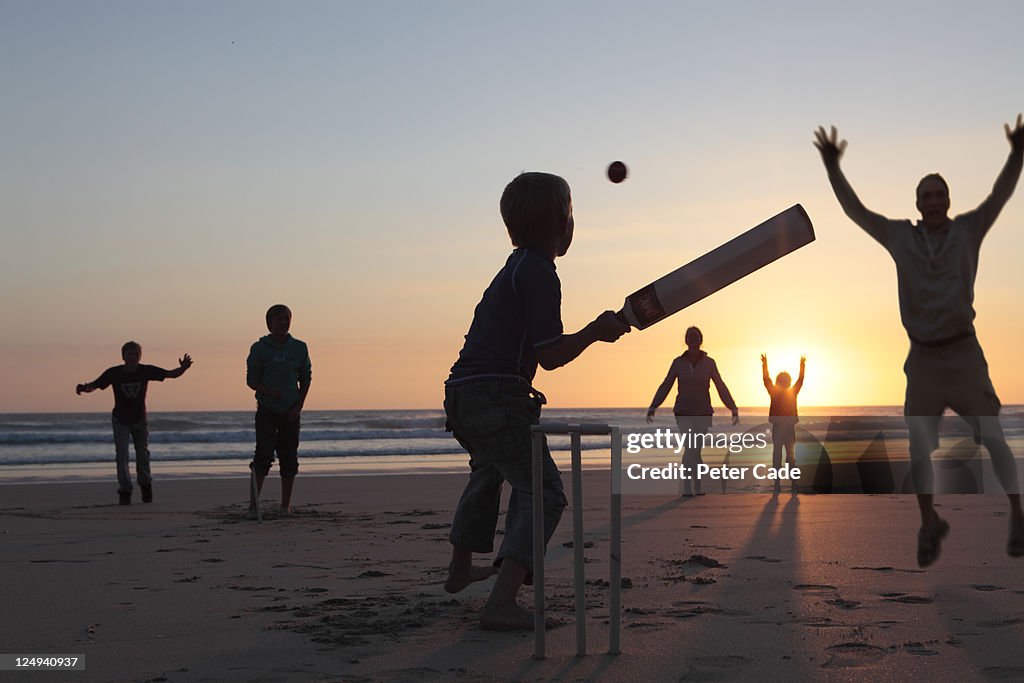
(782, 414)
(693, 373)
(490, 402)
(278, 369)
(936, 264)
(128, 418)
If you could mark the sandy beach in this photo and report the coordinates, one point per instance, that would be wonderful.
(739, 586)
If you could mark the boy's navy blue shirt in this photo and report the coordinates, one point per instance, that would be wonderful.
(520, 312)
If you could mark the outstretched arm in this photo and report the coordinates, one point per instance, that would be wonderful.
(723, 393)
(606, 327)
(832, 149)
(764, 373)
(86, 388)
(800, 379)
(100, 382)
(662, 393)
(183, 364)
(1007, 180)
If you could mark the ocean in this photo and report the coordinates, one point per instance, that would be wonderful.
(79, 446)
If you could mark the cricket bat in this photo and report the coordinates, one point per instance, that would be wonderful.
(719, 268)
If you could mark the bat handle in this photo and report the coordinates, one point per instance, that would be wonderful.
(621, 315)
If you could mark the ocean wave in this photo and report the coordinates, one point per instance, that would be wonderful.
(231, 436)
(389, 423)
(369, 449)
(27, 439)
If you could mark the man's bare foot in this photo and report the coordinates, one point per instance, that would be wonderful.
(1015, 546)
(929, 541)
(457, 581)
(286, 512)
(506, 618)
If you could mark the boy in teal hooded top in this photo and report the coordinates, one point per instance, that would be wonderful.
(279, 371)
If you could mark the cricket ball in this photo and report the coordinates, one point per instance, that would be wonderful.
(616, 171)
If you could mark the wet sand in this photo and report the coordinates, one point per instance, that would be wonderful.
(739, 586)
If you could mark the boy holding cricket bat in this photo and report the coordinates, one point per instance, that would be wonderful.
(490, 402)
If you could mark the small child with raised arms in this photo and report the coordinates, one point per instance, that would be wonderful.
(782, 413)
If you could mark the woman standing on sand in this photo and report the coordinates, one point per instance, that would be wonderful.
(693, 371)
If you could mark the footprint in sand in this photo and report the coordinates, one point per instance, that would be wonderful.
(692, 608)
(1003, 672)
(602, 583)
(907, 599)
(814, 588)
(638, 610)
(843, 604)
(985, 588)
(762, 558)
(889, 569)
(694, 561)
(705, 561)
(1001, 623)
(919, 649)
(853, 655)
(724, 667)
(274, 608)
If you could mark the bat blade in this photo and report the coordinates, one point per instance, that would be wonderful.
(720, 267)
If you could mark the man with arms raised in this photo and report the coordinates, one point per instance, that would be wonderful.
(936, 264)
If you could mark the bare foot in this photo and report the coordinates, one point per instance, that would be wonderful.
(457, 581)
(506, 618)
(929, 541)
(1015, 546)
(286, 512)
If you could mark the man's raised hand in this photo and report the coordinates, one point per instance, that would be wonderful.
(830, 146)
(1016, 135)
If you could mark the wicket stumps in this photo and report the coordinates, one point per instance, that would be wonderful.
(575, 431)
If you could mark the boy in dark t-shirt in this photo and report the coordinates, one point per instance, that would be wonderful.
(490, 403)
(129, 415)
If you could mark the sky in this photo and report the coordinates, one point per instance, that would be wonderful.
(173, 169)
